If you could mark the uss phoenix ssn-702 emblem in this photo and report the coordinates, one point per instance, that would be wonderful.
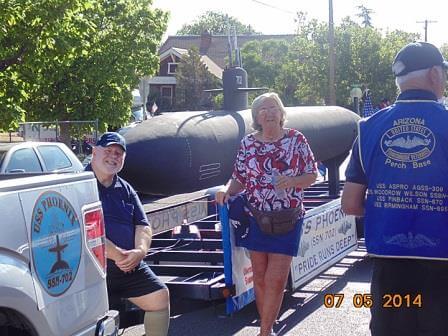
(55, 242)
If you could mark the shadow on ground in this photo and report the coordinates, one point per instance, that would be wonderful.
(199, 318)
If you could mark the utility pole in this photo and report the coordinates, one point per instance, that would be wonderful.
(331, 91)
(426, 27)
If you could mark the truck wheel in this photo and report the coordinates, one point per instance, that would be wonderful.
(13, 324)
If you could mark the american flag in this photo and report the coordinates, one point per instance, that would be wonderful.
(151, 113)
(368, 109)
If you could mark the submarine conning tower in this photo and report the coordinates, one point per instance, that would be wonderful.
(234, 82)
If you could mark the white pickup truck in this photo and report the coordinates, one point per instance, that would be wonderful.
(52, 257)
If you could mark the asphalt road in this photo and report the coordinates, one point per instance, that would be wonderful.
(303, 312)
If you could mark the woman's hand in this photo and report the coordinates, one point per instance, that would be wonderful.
(233, 187)
(285, 182)
(302, 181)
(222, 196)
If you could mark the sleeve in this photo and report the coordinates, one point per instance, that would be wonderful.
(239, 169)
(139, 213)
(307, 163)
(354, 172)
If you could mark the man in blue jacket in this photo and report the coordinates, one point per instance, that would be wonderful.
(397, 179)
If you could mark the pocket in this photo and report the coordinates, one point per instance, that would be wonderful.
(128, 208)
(122, 213)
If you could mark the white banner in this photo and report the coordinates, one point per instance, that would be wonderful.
(242, 274)
(237, 266)
(47, 132)
(328, 235)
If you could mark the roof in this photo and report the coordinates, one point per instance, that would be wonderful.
(212, 67)
(217, 47)
(176, 51)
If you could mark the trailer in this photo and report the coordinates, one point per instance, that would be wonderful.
(193, 251)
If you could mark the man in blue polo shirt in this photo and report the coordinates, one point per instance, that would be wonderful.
(128, 237)
(397, 179)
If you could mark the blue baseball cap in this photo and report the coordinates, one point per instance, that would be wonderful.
(417, 56)
(111, 138)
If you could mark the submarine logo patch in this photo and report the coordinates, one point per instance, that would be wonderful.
(55, 242)
(408, 143)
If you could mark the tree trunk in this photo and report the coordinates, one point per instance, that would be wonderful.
(64, 133)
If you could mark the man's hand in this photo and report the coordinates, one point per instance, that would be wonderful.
(130, 260)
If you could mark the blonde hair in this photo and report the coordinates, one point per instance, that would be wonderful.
(259, 101)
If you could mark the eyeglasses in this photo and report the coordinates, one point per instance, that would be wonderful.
(265, 110)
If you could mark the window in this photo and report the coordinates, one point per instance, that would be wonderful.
(166, 92)
(172, 68)
(24, 160)
(2, 156)
(54, 158)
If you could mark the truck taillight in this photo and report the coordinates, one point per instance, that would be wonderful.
(96, 240)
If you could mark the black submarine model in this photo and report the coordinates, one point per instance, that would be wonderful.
(181, 152)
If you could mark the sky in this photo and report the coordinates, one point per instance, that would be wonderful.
(277, 16)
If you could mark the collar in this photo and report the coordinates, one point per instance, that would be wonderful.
(417, 95)
(115, 182)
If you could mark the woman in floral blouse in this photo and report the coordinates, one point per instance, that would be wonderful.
(271, 150)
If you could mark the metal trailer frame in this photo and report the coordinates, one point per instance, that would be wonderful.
(194, 268)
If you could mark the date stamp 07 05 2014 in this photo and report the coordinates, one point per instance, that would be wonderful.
(389, 300)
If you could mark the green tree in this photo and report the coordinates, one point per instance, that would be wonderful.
(32, 34)
(444, 50)
(365, 15)
(80, 63)
(192, 78)
(311, 46)
(215, 23)
(268, 64)
(298, 71)
(363, 56)
(263, 60)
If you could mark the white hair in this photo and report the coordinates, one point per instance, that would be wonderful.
(416, 75)
(259, 101)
